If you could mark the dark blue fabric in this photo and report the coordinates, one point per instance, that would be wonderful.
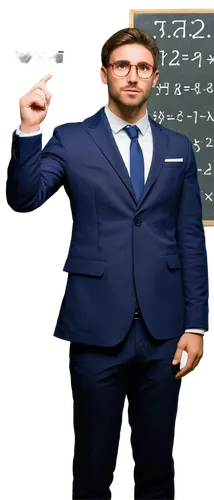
(122, 250)
(136, 160)
(140, 368)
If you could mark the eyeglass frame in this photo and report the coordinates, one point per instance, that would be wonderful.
(136, 66)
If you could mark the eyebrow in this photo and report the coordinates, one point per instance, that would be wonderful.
(126, 60)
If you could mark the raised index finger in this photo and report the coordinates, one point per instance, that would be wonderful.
(47, 78)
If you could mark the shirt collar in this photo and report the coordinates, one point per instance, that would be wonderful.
(117, 123)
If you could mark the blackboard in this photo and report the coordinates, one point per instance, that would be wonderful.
(183, 99)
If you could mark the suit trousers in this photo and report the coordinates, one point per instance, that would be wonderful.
(140, 367)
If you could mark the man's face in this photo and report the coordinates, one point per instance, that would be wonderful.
(134, 53)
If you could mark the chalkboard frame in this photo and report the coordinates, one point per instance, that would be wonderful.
(132, 13)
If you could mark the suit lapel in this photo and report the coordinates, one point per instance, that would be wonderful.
(160, 145)
(97, 126)
(101, 133)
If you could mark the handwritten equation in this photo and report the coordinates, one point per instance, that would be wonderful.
(180, 116)
(178, 88)
(193, 29)
(178, 58)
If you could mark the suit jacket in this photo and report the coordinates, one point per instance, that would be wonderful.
(122, 250)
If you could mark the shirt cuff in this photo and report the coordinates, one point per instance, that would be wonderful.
(25, 134)
(196, 330)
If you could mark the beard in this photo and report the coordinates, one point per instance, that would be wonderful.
(127, 101)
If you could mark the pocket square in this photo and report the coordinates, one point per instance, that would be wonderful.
(174, 159)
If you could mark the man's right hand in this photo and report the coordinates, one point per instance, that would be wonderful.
(34, 106)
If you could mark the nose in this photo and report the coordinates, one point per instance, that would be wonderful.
(132, 76)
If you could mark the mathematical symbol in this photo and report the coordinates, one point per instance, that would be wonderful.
(210, 59)
(208, 196)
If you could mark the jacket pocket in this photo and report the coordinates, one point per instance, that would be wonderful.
(173, 261)
(78, 265)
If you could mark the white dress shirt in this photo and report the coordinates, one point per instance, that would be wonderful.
(123, 141)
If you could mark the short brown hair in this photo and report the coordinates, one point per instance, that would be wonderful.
(129, 35)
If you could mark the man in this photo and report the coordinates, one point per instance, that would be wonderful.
(137, 289)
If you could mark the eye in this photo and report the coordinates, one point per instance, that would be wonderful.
(144, 67)
(121, 65)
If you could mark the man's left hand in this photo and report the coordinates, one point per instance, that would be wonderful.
(192, 343)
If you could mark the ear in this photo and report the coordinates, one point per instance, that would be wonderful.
(157, 73)
(103, 74)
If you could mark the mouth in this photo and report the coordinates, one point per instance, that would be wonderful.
(131, 91)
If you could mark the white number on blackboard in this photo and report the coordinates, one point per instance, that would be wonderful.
(199, 31)
(209, 145)
(176, 57)
(208, 171)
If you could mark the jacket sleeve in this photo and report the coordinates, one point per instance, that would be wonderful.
(33, 174)
(191, 241)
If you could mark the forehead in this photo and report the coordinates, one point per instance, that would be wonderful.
(132, 52)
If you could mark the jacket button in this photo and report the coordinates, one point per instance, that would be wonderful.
(137, 220)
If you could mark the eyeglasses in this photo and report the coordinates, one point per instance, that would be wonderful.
(122, 68)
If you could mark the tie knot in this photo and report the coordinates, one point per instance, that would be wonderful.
(132, 131)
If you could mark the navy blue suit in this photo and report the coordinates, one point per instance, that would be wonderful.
(122, 252)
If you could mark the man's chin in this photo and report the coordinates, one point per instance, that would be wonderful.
(127, 101)
(132, 103)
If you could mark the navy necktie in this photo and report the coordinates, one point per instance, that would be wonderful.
(136, 160)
